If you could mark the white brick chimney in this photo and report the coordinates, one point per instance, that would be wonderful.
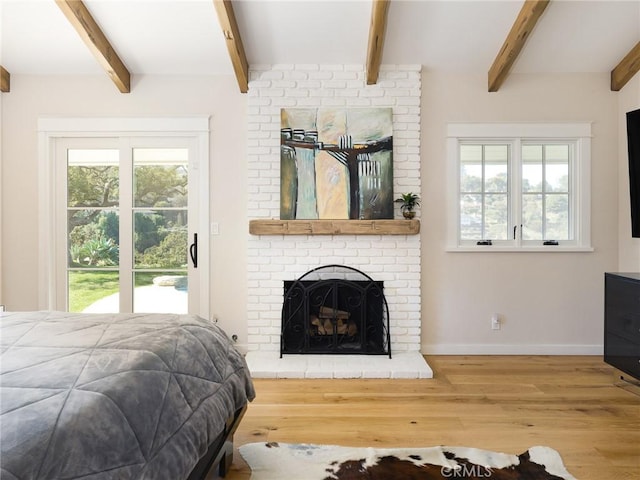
(394, 259)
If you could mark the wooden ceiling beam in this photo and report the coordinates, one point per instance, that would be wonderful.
(231, 33)
(626, 69)
(5, 80)
(91, 34)
(529, 15)
(377, 30)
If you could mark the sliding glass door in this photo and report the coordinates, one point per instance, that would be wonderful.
(129, 207)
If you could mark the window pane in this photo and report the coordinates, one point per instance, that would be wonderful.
(532, 217)
(496, 153)
(532, 168)
(471, 217)
(93, 291)
(532, 153)
(496, 218)
(163, 292)
(160, 156)
(532, 177)
(496, 179)
(160, 239)
(556, 153)
(160, 177)
(557, 177)
(557, 217)
(92, 178)
(160, 186)
(471, 168)
(471, 153)
(471, 177)
(93, 238)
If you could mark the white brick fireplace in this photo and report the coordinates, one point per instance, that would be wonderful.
(272, 259)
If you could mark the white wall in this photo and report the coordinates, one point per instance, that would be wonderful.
(629, 247)
(551, 303)
(1, 190)
(548, 302)
(33, 96)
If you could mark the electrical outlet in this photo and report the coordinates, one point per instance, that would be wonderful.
(495, 322)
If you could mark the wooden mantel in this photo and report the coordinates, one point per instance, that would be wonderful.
(334, 227)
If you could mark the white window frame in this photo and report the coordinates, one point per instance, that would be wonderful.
(51, 129)
(578, 135)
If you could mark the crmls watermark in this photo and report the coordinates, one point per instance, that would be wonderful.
(466, 471)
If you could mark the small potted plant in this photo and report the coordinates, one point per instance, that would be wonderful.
(408, 201)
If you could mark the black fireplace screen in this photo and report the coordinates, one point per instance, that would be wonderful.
(335, 309)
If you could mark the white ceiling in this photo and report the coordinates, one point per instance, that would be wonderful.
(183, 37)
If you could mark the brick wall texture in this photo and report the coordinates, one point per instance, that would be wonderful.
(272, 259)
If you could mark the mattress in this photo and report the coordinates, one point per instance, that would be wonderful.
(113, 396)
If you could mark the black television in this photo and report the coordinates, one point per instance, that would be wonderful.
(633, 144)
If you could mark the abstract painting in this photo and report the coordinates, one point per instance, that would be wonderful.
(336, 163)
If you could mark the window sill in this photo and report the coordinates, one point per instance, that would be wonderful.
(498, 249)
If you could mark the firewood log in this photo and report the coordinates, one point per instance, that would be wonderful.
(352, 329)
(318, 328)
(328, 312)
(328, 327)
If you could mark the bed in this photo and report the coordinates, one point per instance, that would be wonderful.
(117, 396)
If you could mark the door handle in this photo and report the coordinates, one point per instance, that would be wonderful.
(193, 251)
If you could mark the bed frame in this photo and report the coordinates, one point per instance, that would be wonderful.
(219, 456)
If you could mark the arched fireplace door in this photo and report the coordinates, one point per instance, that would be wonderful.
(335, 309)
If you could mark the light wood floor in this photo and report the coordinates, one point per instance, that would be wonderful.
(502, 403)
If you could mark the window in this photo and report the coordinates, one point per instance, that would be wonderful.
(121, 211)
(519, 187)
(484, 191)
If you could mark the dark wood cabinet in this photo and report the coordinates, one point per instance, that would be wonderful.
(622, 322)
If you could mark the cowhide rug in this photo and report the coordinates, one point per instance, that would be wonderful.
(290, 461)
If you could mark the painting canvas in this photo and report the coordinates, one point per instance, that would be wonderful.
(336, 163)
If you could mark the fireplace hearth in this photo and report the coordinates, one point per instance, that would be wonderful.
(335, 309)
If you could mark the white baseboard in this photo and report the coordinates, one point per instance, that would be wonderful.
(501, 349)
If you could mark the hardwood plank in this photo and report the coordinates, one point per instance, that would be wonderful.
(508, 379)
(567, 403)
(231, 32)
(377, 29)
(418, 409)
(603, 472)
(584, 392)
(529, 15)
(98, 44)
(5, 80)
(334, 227)
(626, 69)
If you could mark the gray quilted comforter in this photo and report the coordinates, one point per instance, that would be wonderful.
(118, 396)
